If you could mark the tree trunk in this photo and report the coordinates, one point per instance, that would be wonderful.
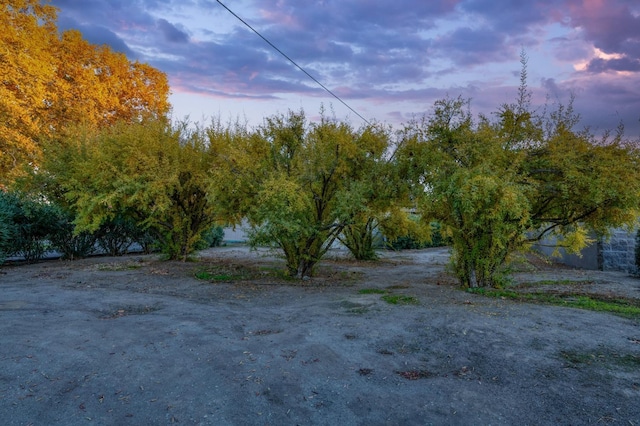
(304, 269)
(473, 279)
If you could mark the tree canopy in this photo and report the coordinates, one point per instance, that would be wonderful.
(499, 185)
(152, 172)
(300, 184)
(49, 81)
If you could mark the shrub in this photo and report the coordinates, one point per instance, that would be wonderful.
(148, 239)
(210, 238)
(411, 242)
(64, 240)
(116, 235)
(27, 223)
(8, 229)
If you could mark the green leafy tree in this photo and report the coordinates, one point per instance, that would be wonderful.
(497, 186)
(374, 178)
(149, 172)
(466, 180)
(294, 182)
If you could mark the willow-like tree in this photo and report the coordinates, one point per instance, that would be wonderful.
(376, 179)
(294, 182)
(152, 172)
(498, 185)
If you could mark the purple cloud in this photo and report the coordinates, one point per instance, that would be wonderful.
(468, 46)
(617, 64)
(171, 33)
(392, 59)
(612, 27)
(98, 35)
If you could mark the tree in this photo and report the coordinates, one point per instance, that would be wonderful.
(374, 175)
(497, 186)
(98, 87)
(49, 82)
(293, 182)
(151, 172)
(298, 205)
(26, 74)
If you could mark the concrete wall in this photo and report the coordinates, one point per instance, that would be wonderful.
(587, 260)
(615, 254)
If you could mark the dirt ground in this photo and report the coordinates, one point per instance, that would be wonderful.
(133, 340)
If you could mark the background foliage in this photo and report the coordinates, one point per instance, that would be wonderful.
(130, 176)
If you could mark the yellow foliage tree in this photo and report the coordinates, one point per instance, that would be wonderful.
(300, 184)
(151, 172)
(497, 186)
(98, 87)
(50, 81)
(26, 77)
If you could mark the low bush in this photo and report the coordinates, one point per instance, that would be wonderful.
(70, 245)
(116, 235)
(411, 242)
(211, 238)
(26, 225)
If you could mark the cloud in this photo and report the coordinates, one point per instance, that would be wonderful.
(612, 27)
(98, 35)
(551, 86)
(171, 33)
(507, 16)
(467, 46)
(398, 55)
(624, 63)
(603, 101)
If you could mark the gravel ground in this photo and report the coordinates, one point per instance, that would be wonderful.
(133, 340)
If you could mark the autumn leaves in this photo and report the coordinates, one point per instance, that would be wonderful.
(50, 81)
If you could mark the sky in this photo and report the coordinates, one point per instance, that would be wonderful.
(389, 60)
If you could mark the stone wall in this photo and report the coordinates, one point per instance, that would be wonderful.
(618, 253)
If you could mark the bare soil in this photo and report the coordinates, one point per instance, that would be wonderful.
(135, 340)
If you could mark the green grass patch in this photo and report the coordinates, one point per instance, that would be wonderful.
(393, 299)
(604, 357)
(628, 308)
(398, 299)
(209, 276)
(204, 275)
(565, 282)
(221, 274)
(372, 291)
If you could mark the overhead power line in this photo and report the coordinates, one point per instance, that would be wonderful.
(293, 62)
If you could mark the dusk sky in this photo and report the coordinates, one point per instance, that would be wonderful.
(388, 59)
